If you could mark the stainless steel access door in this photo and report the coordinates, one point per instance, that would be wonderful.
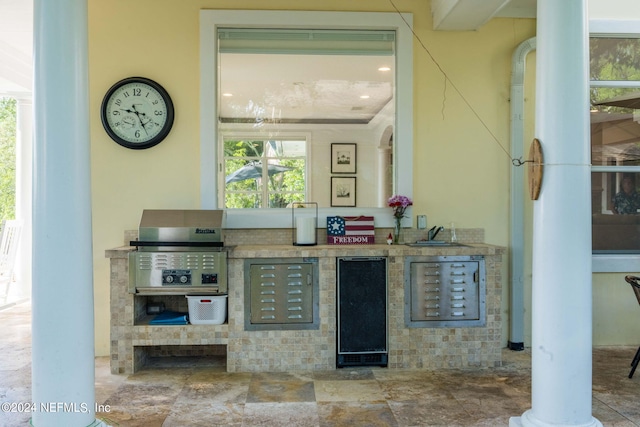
(281, 293)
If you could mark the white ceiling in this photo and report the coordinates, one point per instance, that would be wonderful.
(16, 64)
(298, 88)
(16, 41)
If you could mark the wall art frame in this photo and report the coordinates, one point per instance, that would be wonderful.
(344, 157)
(343, 191)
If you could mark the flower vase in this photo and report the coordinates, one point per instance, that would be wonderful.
(396, 231)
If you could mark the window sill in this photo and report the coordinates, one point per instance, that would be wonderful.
(615, 263)
(282, 218)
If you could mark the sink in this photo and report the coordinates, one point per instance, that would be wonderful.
(434, 243)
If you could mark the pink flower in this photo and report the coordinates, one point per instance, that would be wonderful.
(399, 204)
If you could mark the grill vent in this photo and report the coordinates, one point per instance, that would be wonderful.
(352, 359)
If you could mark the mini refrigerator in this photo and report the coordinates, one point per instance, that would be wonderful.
(362, 318)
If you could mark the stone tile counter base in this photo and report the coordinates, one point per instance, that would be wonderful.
(286, 350)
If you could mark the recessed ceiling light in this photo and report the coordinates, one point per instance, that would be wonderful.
(384, 69)
(364, 96)
(227, 94)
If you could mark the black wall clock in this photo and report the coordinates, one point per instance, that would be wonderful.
(137, 113)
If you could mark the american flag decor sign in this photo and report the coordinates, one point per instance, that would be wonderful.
(350, 230)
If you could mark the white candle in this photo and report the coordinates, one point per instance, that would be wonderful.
(305, 231)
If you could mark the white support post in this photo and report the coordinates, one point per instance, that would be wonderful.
(24, 173)
(561, 298)
(63, 366)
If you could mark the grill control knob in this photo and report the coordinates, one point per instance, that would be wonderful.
(184, 279)
(168, 279)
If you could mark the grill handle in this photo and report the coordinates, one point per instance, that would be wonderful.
(180, 244)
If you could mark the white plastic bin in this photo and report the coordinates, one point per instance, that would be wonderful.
(207, 309)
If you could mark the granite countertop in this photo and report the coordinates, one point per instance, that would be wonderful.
(259, 251)
(270, 251)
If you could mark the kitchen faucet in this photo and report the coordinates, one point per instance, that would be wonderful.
(433, 232)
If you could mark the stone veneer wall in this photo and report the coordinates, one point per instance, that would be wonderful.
(260, 351)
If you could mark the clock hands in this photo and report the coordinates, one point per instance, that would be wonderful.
(138, 114)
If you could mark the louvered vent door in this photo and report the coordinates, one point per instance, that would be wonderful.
(281, 293)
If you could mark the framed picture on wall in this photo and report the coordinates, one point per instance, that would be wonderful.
(343, 191)
(343, 157)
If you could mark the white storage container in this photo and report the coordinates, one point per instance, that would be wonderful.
(207, 310)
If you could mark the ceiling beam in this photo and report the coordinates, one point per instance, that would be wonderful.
(464, 15)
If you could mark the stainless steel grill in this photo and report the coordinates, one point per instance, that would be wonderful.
(179, 252)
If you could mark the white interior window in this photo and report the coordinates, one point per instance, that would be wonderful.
(264, 173)
(340, 78)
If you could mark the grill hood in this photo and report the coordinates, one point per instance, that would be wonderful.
(164, 229)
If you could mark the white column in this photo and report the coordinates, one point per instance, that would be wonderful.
(384, 175)
(561, 297)
(24, 157)
(62, 296)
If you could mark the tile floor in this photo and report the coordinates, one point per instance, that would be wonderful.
(189, 395)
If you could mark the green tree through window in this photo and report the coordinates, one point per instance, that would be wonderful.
(249, 184)
(7, 158)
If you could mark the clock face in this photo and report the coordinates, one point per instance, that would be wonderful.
(137, 113)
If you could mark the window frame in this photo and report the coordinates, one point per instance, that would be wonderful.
(210, 20)
(614, 263)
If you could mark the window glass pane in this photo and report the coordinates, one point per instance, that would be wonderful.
(615, 141)
(615, 126)
(615, 204)
(329, 85)
(250, 185)
(615, 58)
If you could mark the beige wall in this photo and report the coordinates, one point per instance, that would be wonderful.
(461, 172)
(456, 159)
